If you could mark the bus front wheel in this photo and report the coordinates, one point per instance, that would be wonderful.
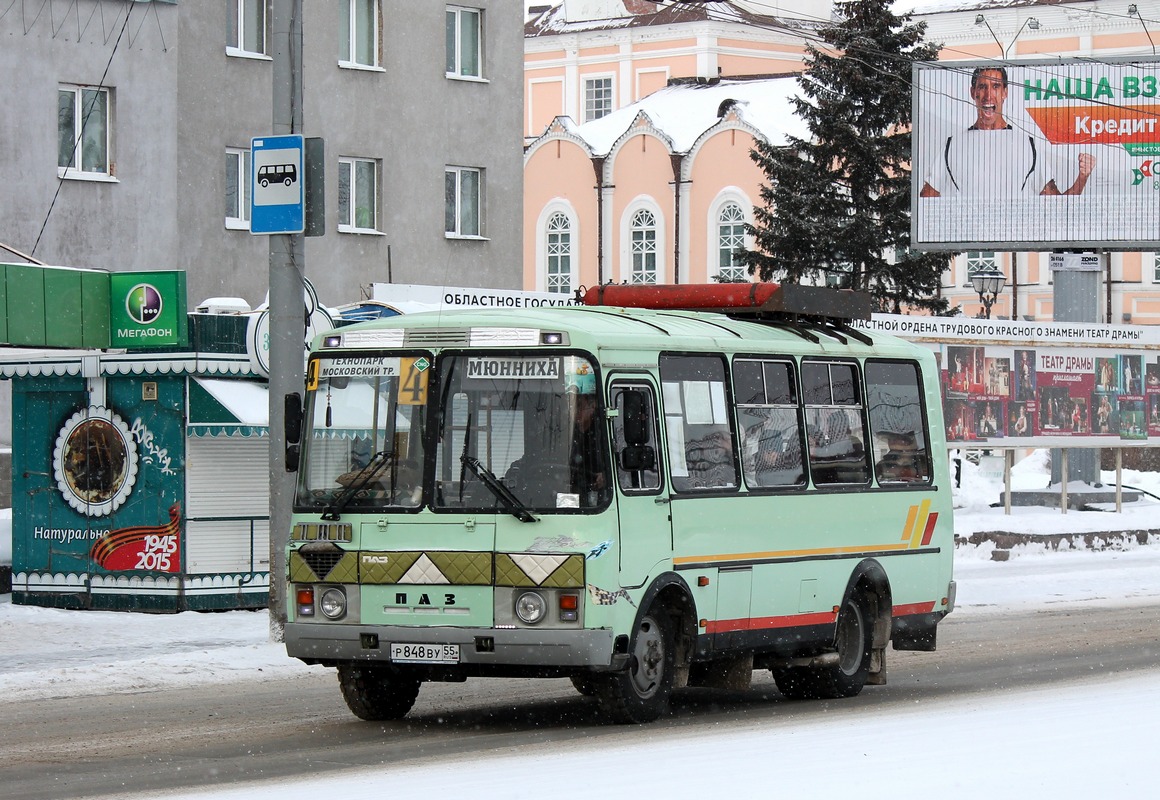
(641, 693)
(377, 692)
(847, 674)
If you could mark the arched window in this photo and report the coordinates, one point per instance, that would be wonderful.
(558, 251)
(730, 240)
(644, 247)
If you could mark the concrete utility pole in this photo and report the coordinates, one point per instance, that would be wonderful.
(287, 310)
(1076, 298)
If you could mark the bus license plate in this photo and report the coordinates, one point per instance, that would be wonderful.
(409, 653)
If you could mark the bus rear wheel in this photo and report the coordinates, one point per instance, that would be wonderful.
(853, 639)
(641, 693)
(377, 691)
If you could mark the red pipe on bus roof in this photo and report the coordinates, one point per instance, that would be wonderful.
(687, 296)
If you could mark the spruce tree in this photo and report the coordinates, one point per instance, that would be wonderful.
(839, 203)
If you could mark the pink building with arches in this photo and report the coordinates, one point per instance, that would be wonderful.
(637, 196)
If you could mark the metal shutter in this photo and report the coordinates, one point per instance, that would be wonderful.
(227, 501)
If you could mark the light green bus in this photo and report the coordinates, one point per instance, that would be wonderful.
(638, 499)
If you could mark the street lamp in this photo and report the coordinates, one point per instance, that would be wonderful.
(1135, 12)
(987, 284)
(1030, 22)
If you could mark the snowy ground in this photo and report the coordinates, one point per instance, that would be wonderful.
(942, 748)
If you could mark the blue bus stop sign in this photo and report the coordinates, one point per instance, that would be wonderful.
(276, 185)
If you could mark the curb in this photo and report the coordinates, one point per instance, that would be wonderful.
(1099, 540)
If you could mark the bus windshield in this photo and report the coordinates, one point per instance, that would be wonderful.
(363, 444)
(529, 421)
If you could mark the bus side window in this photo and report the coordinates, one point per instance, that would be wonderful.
(769, 421)
(698, 425)
(897, 422)
(837, 441)
(634, 436)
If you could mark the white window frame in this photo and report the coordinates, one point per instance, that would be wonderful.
(356, 180)
(976, 260)
(455, 18)
(239, 30)
(75, 170)
(589, 101)
(837, 276)
(716, 223)
(348, 57)
(454, 226)
(546, 249)
(630, 251)
(1155, 267)
(238, 167)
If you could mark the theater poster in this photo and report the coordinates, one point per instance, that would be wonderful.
(1024, 395)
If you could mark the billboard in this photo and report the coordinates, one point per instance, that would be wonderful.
(1036, 155)
(1040, 384)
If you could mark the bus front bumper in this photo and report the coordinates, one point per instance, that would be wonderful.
(520, 647)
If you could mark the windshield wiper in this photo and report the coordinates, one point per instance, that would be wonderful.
(359, 482)
(497, 487)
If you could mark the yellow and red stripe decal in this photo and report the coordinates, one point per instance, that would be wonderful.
(919, 527)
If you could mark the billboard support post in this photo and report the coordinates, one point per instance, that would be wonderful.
(1075, 298)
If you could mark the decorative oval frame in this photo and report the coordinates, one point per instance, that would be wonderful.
(95, 433)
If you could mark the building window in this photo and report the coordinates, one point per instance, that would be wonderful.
(238, 188)
(358, 192)
(730, 242)
(1156, 268)
(360, 33)
(247, 27)
(559, 254)
(464, 29)
(83, 130)
(838, 276)
(644, 247)
(463, 210)
(981, 261)
(597, 98)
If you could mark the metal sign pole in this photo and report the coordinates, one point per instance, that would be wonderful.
(287, 326)
(1075, 298)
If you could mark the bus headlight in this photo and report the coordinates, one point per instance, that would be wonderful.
(530, 608)
(333, 603)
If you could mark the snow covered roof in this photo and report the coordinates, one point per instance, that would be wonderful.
(682, 112)
(556, 21)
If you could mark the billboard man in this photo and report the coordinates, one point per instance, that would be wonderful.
(991, 157)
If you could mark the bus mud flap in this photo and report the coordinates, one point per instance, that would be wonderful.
(877, 676)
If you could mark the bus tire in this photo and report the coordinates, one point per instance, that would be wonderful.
(853, 640)
(376, 691)
(641, 692)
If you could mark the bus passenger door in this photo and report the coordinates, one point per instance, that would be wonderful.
(646, 537)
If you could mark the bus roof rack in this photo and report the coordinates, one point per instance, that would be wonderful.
(803, 309)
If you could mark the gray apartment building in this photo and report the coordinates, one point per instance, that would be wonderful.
(126, 126)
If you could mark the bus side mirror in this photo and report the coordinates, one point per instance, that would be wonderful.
(292, 429)
(635, 415)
